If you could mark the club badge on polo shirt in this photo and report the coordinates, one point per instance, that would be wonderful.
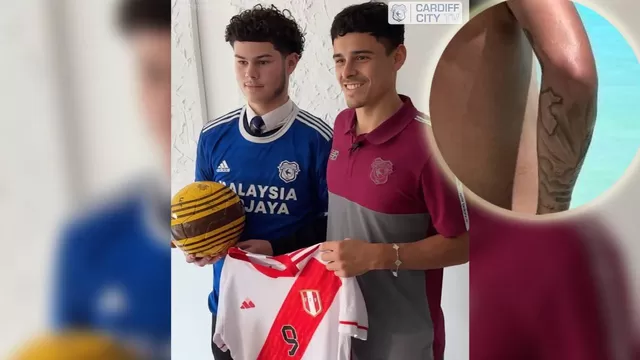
(334, 154)
(288, 171)
(380, 171)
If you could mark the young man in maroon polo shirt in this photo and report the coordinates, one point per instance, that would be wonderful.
(395, 220)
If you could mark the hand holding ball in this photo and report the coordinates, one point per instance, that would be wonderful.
(207, 218)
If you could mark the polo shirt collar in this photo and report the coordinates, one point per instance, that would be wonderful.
(274, 118)
(390, 127)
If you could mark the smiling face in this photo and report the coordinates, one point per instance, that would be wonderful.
(364, 69)
(261, 71)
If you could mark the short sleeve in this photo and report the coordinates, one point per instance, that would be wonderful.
(445, 201)
(354, 321)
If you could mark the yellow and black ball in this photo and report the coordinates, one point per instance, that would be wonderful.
(207, 218)
(73, 345)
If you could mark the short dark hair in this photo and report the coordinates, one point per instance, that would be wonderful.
(260, 24)
(368, 18)
(144, 14)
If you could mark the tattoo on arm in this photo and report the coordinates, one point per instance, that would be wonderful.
(566, 119)
(565, 128)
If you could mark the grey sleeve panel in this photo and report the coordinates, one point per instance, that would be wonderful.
(350, 220)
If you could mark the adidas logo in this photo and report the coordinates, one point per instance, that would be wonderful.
(247, 304)
(223, 167)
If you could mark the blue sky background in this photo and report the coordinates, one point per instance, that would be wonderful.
(617, 133)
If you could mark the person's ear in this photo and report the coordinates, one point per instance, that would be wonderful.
(291, 62)
(399, 56)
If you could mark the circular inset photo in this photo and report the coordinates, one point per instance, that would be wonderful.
(534, 107)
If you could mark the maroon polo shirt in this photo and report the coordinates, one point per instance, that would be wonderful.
(552, 290)
(386, 187)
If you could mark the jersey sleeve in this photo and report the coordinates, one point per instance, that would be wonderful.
(204, 172)
(354, 321)
(445, 201)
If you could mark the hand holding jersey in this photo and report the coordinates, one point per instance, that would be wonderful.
(349, 257)
(253, 246)
(295, 306)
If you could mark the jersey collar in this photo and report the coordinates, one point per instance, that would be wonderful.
(390, 127)
(287, 265)
(274, 118)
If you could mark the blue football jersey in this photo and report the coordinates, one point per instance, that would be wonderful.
(113, 272)
(280, 177)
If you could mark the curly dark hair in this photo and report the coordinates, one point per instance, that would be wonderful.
(261, 24)
(368, 18)
(144, 14)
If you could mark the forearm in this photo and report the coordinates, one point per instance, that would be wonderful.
(566, 119)
(434, 252)
(567, 104)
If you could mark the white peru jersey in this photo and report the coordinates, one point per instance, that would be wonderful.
(287, 307)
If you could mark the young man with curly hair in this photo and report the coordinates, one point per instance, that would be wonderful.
(271, 152)
(395, 219)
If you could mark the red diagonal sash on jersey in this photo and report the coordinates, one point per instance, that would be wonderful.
(312, 293)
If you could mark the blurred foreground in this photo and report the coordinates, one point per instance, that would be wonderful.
(84, 178)
(550, 290)
(73, 346)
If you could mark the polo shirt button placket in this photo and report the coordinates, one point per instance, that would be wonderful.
(355, 145)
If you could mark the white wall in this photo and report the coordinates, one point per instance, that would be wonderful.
(314, 88)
